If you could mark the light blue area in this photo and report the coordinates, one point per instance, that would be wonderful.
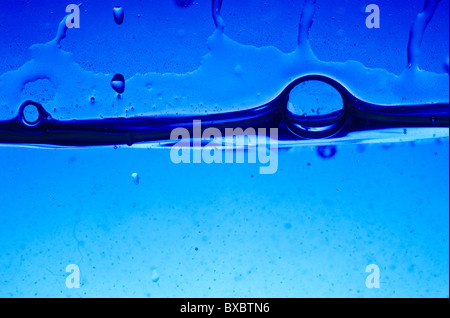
(307, 231)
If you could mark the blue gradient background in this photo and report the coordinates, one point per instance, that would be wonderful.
(223, 230)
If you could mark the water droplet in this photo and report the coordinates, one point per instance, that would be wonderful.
(92, 100)
(155, 276)
(118, 14)
(135, 178)
(118, 83)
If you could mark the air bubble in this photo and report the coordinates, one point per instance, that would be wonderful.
(92, 100)
(118, 14)
(316, 108)
(30, 114)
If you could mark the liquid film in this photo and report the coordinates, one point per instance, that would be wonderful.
(224, 82)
